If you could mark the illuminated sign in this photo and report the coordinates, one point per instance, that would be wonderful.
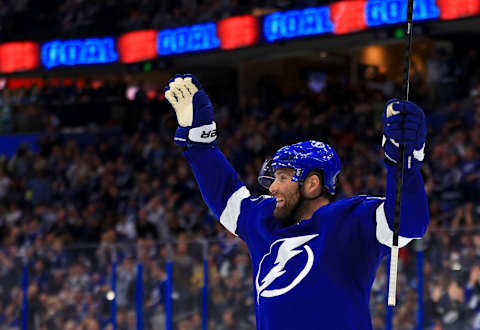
(76, 52)
(19, 56)
(137, 46)
(380, 12)
(347, 16)
(238, 31)
(297, 23)
(187, 39)
(340, 17)
(458, 8)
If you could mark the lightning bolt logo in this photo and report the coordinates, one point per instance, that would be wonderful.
(286, 251)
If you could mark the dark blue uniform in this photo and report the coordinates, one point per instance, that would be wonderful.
(316, 274)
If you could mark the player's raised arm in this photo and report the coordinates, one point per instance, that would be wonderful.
(219, 184)
(403, 122)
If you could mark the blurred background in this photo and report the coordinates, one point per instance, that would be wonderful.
(101, 223)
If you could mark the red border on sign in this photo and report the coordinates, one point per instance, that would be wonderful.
(348, 16)
(19, 56)
(238, 31)
(137, 46)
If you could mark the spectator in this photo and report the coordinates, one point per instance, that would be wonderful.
(144, 228)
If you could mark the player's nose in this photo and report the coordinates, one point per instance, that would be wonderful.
(273, 189)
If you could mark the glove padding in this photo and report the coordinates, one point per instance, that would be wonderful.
(194, 111)
(404, 123)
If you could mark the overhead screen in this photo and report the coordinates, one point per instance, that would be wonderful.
(338, 18)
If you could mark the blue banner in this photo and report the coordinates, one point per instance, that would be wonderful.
(297, 23)
(383, 12)
(187, 39)
(76, 52)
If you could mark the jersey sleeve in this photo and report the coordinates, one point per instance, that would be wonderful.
(362, 232)
(414, 212)
(363, 224)
(224, 193)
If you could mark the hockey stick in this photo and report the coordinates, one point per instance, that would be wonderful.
(392, 282)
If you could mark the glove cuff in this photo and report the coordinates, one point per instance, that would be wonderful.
(204, 135)
(412, 160)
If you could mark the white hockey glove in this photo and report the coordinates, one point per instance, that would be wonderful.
(194, 111)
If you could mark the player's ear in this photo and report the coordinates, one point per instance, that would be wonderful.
(313, 185)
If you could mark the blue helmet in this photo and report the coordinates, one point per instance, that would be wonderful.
(303, 157)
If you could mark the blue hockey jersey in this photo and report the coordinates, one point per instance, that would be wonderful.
(318, 273)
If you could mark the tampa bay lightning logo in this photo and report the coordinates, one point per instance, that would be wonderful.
(272, 266)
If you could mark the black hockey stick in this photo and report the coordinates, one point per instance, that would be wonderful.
(392, 283)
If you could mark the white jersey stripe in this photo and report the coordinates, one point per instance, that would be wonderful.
(231, 212)
(385, 234)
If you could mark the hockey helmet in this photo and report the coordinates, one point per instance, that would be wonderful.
(303, 157)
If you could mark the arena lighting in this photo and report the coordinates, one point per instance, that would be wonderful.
(19, 56)
(187, 39)
(14, 83)
(110, 295)
(297, 23)
(238, 31)
(458, 8)
(348, 16)
(147, 66)
(381, 12)
(78, 52)
(137, 46)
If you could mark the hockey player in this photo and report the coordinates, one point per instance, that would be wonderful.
(314, 262)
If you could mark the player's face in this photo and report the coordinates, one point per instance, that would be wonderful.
(286, 192)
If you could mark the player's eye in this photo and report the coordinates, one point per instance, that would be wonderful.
(283, 177)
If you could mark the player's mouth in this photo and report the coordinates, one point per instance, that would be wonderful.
(280, 202)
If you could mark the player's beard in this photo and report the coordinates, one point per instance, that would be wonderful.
(287, 213)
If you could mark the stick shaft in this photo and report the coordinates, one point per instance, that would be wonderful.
(401, 166)
(392, 282)
(408, 51)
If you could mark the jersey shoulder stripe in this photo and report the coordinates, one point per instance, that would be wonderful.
(384, 233)
(231, 212)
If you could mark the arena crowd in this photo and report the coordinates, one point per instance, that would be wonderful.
(123, 194)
